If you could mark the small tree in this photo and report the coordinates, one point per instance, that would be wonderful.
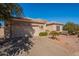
(12, 46)
(54, 34)
(72, 28)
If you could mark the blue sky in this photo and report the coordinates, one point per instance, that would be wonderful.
(59, 12)
(52, 11)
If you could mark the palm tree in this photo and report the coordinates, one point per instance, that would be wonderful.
(7, 12)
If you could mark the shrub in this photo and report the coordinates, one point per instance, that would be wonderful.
(54, 34)
(43, 34)
(72, 32)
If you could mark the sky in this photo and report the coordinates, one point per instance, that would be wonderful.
(59, 12)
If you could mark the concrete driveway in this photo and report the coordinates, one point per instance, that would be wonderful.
(47, 47)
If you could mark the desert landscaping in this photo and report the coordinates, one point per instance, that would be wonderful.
(65, 45)
(46, 34)
(43, 46)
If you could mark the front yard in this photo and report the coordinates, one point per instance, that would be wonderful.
(65, 45)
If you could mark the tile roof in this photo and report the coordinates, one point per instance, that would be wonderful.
(39, 21)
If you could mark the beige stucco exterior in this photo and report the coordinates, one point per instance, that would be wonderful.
(53, 28)
(37, 29)
(27, 26)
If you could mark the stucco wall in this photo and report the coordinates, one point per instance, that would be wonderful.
(53, 27)
(23, 28)
(37, 29)
(61, 28)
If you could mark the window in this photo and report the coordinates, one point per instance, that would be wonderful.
(57, 28)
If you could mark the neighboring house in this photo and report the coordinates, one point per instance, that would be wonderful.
(41, 26)
(54, 26)
(24, 26)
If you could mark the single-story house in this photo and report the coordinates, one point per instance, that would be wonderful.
(22, 26)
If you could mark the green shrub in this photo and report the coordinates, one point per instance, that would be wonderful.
(53, 34)
(43, 34)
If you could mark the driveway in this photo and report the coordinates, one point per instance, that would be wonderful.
(64, 46)
(47, 47)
